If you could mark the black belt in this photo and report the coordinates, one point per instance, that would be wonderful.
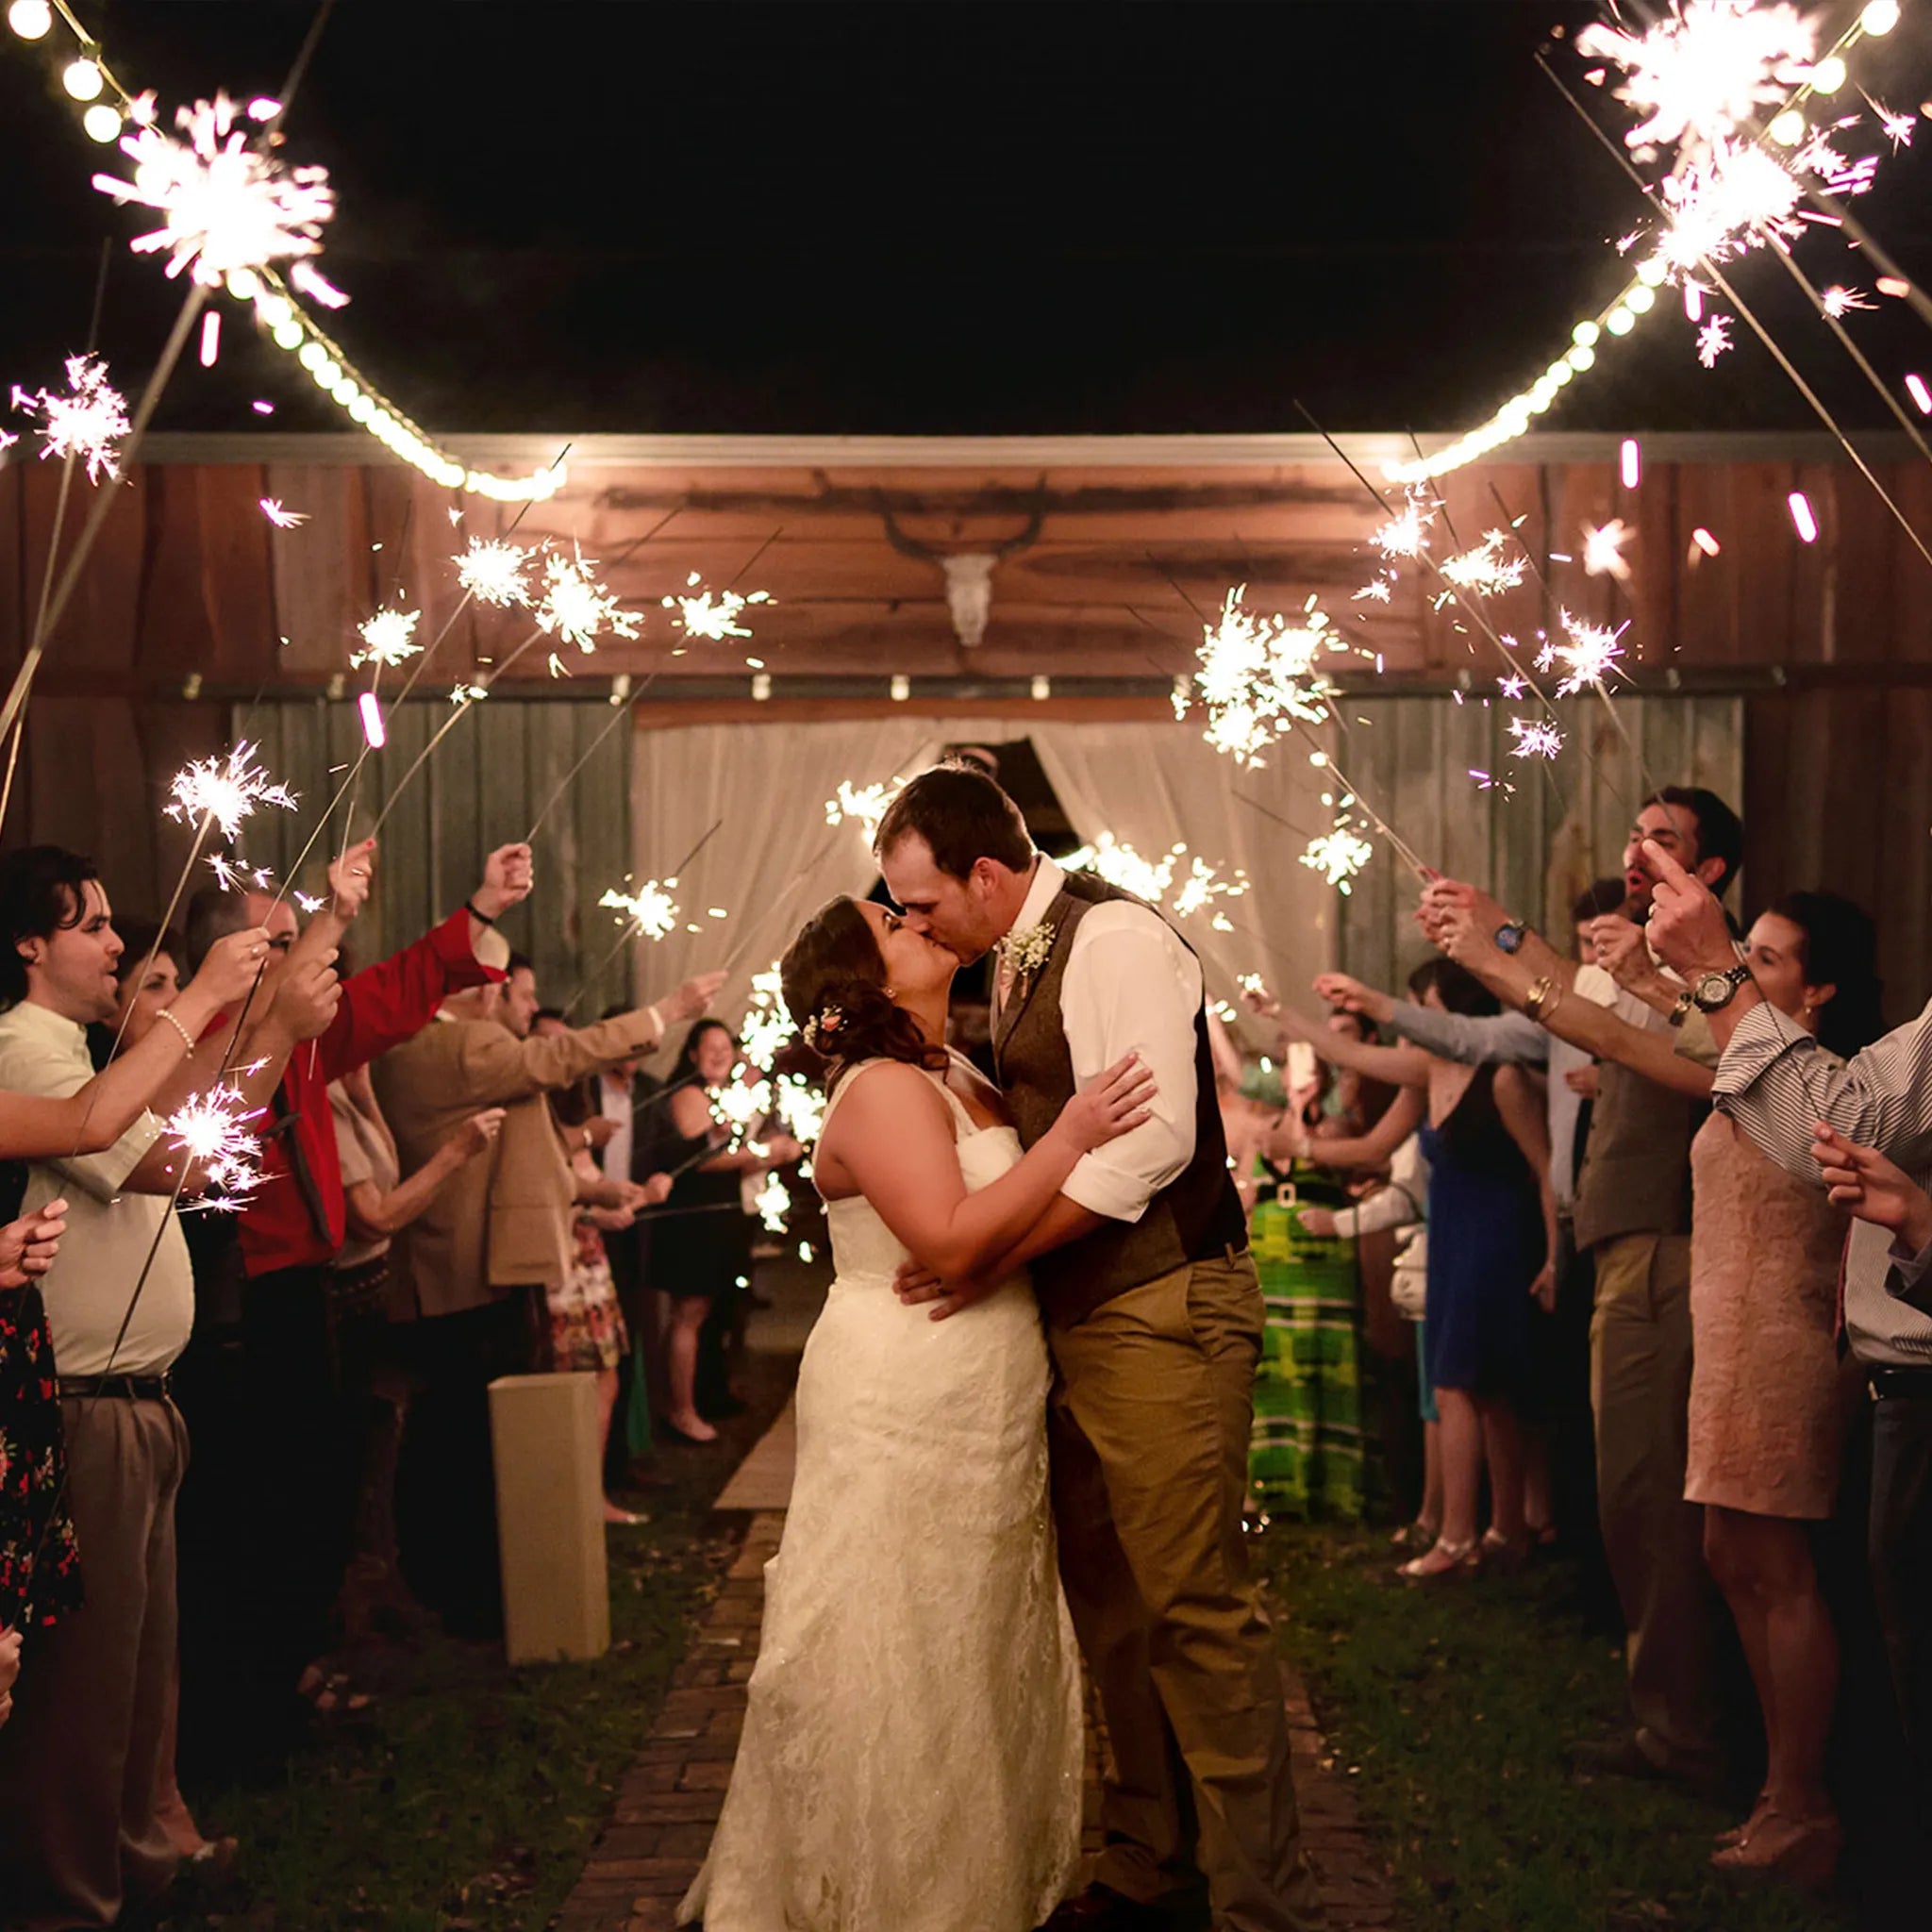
(128, 1387)
(1909, 1383)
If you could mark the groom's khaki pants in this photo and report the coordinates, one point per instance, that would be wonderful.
(1151, 1413)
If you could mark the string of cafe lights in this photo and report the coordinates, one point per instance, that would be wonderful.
(1595, 334)
(107, 109)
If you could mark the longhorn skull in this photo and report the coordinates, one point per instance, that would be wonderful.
(968, 572)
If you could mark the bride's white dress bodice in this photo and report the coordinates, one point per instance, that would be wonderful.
(912, 1751)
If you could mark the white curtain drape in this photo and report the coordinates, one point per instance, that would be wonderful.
(774, 859)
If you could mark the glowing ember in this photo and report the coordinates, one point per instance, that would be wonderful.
(713, 618)
(1589, 656)
(240, 878)
(389, 636)
(1534, 739)
(1713, 338)
(493, 573)
(1705, 541)
(1376, 591)
(1897, 129)
(88, 424)
(1630, 459)
(1603, 550)
(576, 607)
(226, 789)
(1920, 395)
(308, 901)
(1802, 519)
(1257, 672)
(225, 206)
(282, 519)
(1406, 533)
(1513, 686)
(1485, 570)
(1839, 300)
(650, 909)
(1339, 855)
(460, 693)
(374, 731)
(212, 1130)
(866, 804)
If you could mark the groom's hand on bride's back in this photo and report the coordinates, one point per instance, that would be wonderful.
(1115, 1104)
(918, 1287)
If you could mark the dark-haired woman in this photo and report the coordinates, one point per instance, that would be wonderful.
(916, 1686)
(1766, 1416)
(701, 1248)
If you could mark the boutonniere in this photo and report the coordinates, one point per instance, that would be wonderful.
(1026, 948)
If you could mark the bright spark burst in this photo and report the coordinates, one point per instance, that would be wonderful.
(282, 519)
(1406, 533)
(1257, 672)
(1704, 71)
(240, 878)
(391, 638)
(1376, 592)
(741, 1103)
(650, 909)
(226, 789)
(714, 618)
(460, 693)
(576, 607)
(773, 1202)
(212, 1130)
(1897, 129)
(308, 901)
(1603, 550)
(1839, 300)
(866, 804)
(88, 424)
(1485, 570)
(802, 1106)
(1713, 338)
(493, 573)
(1339, 855)
(1589, 656)
(768, 1029)
(1536, 738)
(1513, 686)
(225, 205)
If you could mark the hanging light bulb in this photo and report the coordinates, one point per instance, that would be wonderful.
(82, 80)
(102, 123)
(33, 19)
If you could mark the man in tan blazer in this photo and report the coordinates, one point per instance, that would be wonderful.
(469, 1273)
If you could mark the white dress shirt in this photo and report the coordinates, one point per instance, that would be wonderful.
(614, 1103)
(1130, 984)
(108, 1233)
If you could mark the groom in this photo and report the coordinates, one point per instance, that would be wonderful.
(1154, 1318)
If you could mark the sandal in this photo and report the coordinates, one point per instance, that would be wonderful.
(1443, 1559)
(1739, 1833)
(1803, 1852)
(1419, 1535)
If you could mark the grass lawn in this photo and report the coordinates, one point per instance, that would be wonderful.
(468, 1794)
(1450, 1711)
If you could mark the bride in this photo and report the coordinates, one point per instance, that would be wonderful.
(912, 1758)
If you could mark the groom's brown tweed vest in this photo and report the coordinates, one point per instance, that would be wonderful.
(1196, 1215)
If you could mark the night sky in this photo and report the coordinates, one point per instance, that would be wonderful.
(928, 218)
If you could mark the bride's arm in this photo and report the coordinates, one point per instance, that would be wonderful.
(894, 1137)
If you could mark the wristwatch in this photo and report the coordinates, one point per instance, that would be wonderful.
(1509, 936)
(1712, 991)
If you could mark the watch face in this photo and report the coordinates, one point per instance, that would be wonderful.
(1508, 938)
(1714, 989)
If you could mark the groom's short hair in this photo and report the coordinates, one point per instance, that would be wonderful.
(963, 816)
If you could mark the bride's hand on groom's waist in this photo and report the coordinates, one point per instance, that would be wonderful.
(917, 1285)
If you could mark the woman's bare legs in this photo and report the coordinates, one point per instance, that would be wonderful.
(687, 1314)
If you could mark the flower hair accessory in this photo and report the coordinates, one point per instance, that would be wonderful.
(821, 1028)
(1027, 948)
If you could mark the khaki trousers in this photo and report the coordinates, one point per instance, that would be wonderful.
(1639, 1377)
(79, 1760)
(1149, 1425)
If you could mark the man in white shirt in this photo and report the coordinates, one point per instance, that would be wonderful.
(79, 1761)
(1154, 1319)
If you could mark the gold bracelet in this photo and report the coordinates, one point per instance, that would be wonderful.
(187, 1038)
(1539, 989)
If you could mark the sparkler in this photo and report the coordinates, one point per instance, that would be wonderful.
(282, 519)
(1406, 533)
(768, 1028)
(1485, 570)
(87, 425)
(1713, 338)
(1591, 656)
(1534, 739)
(713, 618)
(1839, 300)
(389, 636)
(1603, 550)
(773, 1202)
(650, 910)
(212, 1131)
(225, 206)
(1338, 855)
(226, 789)
(1200, 885)
(1257, 672)
(801, 1106)
(493, 573)
(866, 804)
(577, 607)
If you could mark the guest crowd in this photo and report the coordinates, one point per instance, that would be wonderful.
(231, 1427)
(1666, 1180)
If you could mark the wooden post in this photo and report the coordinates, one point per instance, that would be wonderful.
(550, 1517)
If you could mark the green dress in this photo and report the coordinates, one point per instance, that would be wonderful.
(1306, 1457)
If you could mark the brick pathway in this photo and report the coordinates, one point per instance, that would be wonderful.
(670, 1800)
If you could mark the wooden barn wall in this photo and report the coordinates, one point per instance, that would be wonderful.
(1538, 833)
(485, 787)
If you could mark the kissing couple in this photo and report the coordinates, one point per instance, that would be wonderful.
(976, 1485)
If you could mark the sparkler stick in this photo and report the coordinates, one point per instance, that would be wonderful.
(631, 927)
(1756, 327)
(623, 713)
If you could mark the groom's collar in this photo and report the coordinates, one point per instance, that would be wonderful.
(1047, 880)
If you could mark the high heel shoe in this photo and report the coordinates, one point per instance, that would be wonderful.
(1443, 1559)
(1804, 1852)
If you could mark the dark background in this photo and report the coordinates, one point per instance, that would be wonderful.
(928, 218)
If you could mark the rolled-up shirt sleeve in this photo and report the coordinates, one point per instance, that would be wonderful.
(31, 1066)
(1910, 1278)
(1131, 984)
(1775, 1081)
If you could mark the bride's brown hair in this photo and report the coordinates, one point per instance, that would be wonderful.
(834, 984)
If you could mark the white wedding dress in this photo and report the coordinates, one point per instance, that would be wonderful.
(912, 1750)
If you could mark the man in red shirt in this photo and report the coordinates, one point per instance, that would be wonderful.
(308, 1365)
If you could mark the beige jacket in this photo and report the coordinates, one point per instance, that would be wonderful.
(502, 1221)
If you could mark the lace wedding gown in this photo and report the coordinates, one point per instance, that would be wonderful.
(912, 1750)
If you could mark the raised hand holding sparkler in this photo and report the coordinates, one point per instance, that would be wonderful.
(28, 1245)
